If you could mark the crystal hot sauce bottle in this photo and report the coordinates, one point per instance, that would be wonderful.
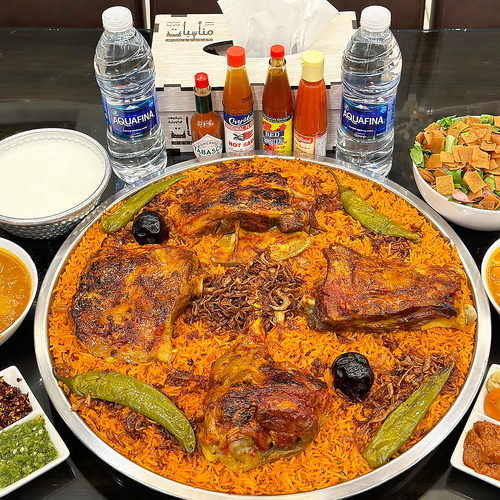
(277, 105)
(311, 111)
(237, 102)
(206, 126)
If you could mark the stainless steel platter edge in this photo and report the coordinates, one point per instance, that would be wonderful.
(344, 490)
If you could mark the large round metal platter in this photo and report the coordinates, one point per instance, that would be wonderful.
(355, 486)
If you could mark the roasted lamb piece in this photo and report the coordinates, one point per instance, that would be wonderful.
(258, 410)
(367, 293)
(129, 298)
(256, 202)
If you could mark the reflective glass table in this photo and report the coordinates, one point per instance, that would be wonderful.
(47, 80)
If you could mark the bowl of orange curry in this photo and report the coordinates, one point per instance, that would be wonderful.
(490, 273)
(18, 286)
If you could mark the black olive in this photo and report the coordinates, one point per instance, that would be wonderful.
(149, 228)
(352, 374)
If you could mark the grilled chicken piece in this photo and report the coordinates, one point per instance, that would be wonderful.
(366, 293)
(257, 202)
(128, 300)
(258, 410)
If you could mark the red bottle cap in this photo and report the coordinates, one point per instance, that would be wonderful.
(277, 52)
(235, 56)
(201, 80)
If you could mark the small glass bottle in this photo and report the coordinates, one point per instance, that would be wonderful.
(277, 105)
(206, 125)
(237, 101)
(311, 109)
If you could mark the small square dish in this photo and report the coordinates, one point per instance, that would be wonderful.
(477, 415)
(30, 441)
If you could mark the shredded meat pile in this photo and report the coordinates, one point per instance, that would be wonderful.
(395, 385)
(481, 451)
(233, 300)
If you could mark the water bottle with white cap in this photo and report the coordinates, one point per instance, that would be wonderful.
(125, 73)
(370, 71)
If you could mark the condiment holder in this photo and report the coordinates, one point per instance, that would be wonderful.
(477, 415)
(14, 378)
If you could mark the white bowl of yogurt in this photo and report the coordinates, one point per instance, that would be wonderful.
(50, 179)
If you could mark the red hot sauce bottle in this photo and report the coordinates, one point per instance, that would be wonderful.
(206, 125)
(277, 105)
(237, 101)
(311, 109)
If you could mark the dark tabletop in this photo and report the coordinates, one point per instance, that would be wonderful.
(47, 80)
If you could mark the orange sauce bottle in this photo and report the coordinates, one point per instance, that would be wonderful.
(311, 109)
(206, 125)
(277, 105)
(237, 101)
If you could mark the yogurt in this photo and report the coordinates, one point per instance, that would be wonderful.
(47, 176)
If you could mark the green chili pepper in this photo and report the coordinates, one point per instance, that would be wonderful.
(141, 397)
(360, 210)
(120, 217)
(400, 424)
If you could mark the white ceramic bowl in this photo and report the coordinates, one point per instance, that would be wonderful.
(59, 177)
(21, 254)
(484, 272)
(469, 217)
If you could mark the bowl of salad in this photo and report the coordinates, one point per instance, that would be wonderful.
(456, 166)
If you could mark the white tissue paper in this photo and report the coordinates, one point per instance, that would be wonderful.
(257, 25)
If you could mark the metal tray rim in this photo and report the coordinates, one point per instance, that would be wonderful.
(344, 490)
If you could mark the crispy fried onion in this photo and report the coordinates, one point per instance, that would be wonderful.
(231, 301)
(393, 386)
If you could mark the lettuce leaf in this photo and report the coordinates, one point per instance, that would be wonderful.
(417, 154)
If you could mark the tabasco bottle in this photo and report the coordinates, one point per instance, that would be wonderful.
(277, 105)
(311, 118)
(206, 125)
(237, 101)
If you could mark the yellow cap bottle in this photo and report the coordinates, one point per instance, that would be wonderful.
(313, 65)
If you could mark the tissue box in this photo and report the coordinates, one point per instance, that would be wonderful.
(185, 45)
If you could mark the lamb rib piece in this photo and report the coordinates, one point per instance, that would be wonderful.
(257, 202)
(129, 298)
(369, 294)
(256, 409)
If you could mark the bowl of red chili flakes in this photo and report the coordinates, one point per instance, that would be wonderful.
(29, 443)
(456, 166)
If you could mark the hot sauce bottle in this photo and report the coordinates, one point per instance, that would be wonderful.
(277, 105)
(311, 111)
(237, 101)
(206, 125)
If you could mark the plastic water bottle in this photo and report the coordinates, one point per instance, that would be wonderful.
(125, 73)
(370, 71)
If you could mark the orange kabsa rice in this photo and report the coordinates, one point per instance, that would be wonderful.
(334, 456)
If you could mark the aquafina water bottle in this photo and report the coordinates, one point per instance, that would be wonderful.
(370, 71)
(125, 73)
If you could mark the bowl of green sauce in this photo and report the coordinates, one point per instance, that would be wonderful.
(29, 443)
